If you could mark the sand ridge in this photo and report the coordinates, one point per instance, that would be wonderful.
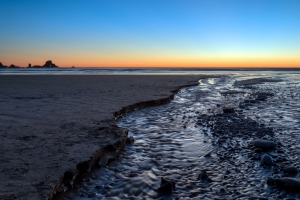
(49, 124)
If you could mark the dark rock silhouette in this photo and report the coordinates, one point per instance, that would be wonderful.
(264, 144)
(48, 64)
(266, 160)
(166, 186)
(2, 66)
(288, 183)
(290, 170)
(13, 66)
(270, 181)
(258, 150)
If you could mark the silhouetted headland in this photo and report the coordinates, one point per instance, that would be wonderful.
(48, 64)
(13, 66)
(2, 66)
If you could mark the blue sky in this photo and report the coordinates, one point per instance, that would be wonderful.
(134, 33)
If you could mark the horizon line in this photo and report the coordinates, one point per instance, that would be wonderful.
(156, 67)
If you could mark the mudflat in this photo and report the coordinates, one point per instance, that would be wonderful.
(49, 124)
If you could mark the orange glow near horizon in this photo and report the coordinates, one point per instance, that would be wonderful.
(202, 34)
(176, 61)
(219, 62)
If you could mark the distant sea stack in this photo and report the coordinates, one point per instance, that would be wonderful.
(2, 66)
(13, 66)
(48, 64)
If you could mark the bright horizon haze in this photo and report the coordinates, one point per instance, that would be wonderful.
(156, 33)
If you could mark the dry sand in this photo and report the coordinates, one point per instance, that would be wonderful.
(49, 124)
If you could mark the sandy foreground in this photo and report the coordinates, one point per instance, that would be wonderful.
(53, 124)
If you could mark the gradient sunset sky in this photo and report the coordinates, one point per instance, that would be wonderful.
(151, 33)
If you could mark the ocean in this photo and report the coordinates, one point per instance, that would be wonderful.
(153, 71)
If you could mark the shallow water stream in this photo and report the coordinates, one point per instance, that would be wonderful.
(171, 141)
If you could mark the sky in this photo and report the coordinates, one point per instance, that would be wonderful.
(151, 33)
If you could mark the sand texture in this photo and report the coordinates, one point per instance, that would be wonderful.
(49, 124)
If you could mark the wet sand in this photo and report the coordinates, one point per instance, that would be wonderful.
(50, 124)
(213, 141)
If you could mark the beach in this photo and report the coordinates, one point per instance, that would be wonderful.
(168, 100)
(228, 136)
(50, 124)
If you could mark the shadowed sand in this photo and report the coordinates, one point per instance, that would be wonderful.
(49, 124)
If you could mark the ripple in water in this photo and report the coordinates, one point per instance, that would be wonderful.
(170, 142)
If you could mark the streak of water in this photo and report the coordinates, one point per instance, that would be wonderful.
(170, 142)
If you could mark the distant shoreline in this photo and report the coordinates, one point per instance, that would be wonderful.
(48, 64)
(154, 68)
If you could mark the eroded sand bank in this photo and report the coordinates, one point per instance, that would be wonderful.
(49, 124)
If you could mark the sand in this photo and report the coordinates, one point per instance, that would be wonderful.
(49, 124)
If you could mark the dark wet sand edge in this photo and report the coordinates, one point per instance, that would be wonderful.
(135, 106)
(87, 166)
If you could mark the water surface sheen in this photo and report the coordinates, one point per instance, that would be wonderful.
(170, 142)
